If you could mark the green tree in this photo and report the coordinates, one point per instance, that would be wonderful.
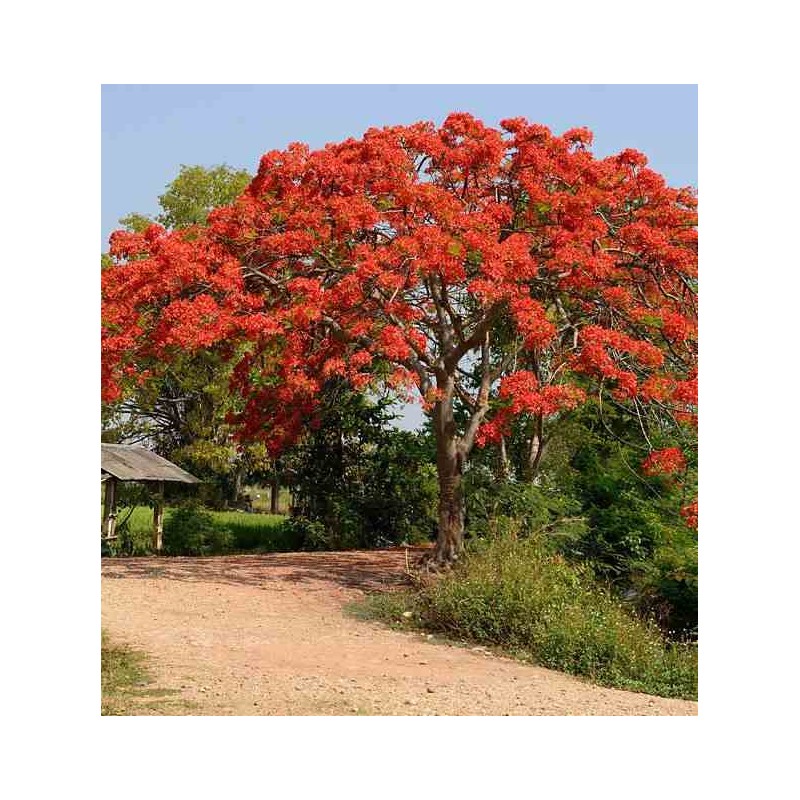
(136, 222)
(197, 191)
(188, 199)
(183, 415)
(357, 480)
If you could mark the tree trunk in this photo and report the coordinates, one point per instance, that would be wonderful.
(232, 485)
(503, 465)
(274, 492)
(449, 466)
(450, 537)
(110, 508)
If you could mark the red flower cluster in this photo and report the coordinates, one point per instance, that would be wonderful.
(664, 462)
(689, 513)
(520, 393)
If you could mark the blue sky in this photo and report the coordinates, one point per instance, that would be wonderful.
(148, 131)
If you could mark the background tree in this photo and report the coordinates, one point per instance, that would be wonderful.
(357, 481)
(493, 272)
(191, 196)
(198, 190)
(182, 414)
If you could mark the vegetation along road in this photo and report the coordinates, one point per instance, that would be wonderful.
(270, 635)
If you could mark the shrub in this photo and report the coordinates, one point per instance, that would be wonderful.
(399, 496)
(518, 508)
(192, 531)
(665, 587)
(516, 595)
(307, 533)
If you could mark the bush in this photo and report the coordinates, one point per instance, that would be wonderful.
(308, 534)
(635, 538)
(665, 587)
(516, 595)
(192, 531)
(517, 508)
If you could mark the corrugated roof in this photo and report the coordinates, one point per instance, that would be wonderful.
(132, 463)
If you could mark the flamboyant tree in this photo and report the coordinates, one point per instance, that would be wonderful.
(501, 272)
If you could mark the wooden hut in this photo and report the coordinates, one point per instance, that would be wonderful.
(123, 462)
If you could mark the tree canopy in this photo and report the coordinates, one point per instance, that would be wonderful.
(490, 273)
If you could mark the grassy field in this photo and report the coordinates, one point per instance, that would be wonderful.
(259, 532)
(260, 497)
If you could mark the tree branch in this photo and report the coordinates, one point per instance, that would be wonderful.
(482, 402)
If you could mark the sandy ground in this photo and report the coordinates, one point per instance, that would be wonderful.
(266, 635)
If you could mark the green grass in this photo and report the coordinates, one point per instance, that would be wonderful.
(515, 596)
(127, 687)
(121, 670)
(252, 532)
(260, 497)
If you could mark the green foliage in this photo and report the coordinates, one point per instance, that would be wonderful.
(398, 500)
(251, 532)
(520, 508)
(196, 191)
(138, 223)
(597, 507)
(635, 537)
(188, 198)
(182, 416)
(665, 586)
(357, 482)
(263, 533)
(516, 595)
(192, 531)
(309, 534)
(604, 512)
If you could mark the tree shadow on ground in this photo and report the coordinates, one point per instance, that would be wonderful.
(366, 570)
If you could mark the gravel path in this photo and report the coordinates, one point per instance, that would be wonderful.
(266, 635)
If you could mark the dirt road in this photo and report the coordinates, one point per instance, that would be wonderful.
(266, 635)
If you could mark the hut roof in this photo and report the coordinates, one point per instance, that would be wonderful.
(132, 463)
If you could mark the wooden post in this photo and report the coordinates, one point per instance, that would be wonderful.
(158, 518)
(110, 507)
